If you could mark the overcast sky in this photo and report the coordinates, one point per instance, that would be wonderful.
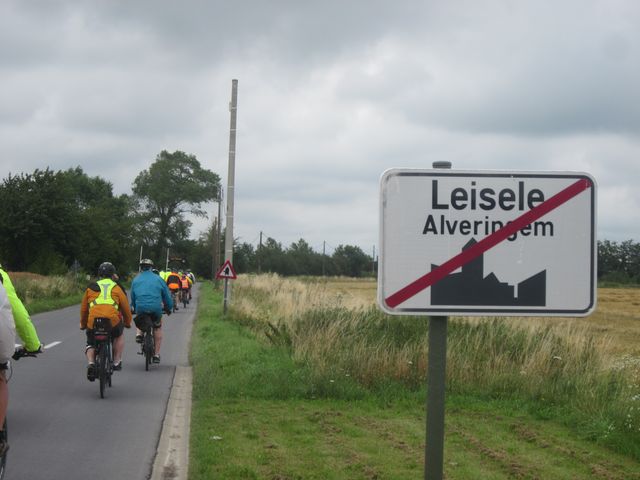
(331, 94)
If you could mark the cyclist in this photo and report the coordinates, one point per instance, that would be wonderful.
(148, 294)
(173, 282)
(192, 278)
(13, 317)
(185, 285)
(104, 298)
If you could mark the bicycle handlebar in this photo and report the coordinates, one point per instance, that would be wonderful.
(23, 352)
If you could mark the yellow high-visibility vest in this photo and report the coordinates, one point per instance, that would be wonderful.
(106, 287)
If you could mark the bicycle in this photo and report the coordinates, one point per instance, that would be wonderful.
(144, 322)
(174, 299)
(184, 297)
(18, 354)
(104, 352)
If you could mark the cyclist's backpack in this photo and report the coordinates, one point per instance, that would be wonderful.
(101, 329)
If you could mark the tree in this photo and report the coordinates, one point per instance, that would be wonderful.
(303, 259)
(271, 257)
(173, 186)
(351, 261)
(49, 219)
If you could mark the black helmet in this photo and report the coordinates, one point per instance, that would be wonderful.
(146, 264)
(106, 269)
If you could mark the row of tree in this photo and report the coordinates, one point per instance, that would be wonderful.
(52, 222)
(619, 261)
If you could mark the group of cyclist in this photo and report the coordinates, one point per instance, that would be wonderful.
(151, 293)
(178, 281)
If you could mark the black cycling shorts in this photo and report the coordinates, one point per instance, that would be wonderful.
(115, 333)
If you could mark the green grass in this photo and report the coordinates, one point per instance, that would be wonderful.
(42, 294)
(39, 305)
(259, 414)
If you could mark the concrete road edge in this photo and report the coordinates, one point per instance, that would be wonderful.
(172, 456)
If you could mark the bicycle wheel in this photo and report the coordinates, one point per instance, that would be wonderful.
(184, 299)
(148, 348)
(109, 363)
(102, 368)
(3, 459)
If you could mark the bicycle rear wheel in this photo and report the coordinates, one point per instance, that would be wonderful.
(109, 363)
(148, 348)
(102, 368)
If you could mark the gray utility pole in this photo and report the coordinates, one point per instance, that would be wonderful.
(228, 238)
(215, 261)
(259, 254)
(324, 245)
(436, 376)
(219, 232)
(373, 260)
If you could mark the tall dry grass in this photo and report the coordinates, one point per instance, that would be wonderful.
(32, 288)
(334, 327)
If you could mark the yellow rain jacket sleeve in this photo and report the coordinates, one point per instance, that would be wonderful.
(24, 327)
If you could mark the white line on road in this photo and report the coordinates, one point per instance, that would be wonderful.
(52, 344)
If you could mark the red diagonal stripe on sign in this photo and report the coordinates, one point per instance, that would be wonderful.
(486, 243)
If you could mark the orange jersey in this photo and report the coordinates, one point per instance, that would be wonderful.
(89, 310)
(173, 281)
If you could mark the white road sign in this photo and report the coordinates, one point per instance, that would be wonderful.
(487, 243)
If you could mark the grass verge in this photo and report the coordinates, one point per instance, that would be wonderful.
(259, 414)
(47, 304)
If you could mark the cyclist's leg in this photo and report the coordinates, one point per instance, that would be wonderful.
(90, 352)
(118, 342)
(157, 333)
(90, 349)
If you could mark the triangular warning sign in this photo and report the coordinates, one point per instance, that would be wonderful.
(226, 271)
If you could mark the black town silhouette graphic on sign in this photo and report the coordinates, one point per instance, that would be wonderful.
(471, 287)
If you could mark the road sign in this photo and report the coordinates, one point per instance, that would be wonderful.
(226, 271)
(487, 243)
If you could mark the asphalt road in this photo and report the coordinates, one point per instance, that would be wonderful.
(60, 428)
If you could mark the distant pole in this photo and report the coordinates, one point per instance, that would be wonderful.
(219, 237)
(140, 259)
(228, 238)
(215, 234)
(259, 250)
(373, 261)
(436, 377)
(214, 247)
(166, 265)
(324, 245)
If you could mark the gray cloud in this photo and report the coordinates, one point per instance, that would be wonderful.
(331, 94)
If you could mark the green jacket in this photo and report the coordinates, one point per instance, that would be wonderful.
(24, 327)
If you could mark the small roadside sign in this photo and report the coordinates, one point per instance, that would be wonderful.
(226, 271)
(487, 243)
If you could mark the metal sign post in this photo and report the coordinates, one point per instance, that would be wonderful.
(436, 384)
(227, 273)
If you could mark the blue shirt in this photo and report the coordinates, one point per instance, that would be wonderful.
(148, 292)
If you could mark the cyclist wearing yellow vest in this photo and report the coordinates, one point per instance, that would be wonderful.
(104, 298)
